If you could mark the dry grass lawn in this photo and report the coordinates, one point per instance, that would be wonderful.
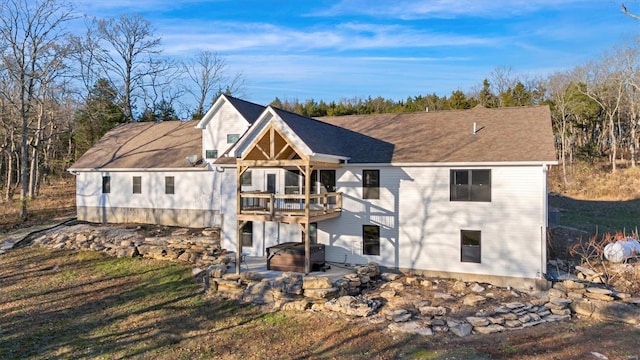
(55, 200)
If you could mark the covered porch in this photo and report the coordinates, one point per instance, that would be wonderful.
(299, 186)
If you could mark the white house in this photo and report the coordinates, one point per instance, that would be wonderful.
(450, 193)
(161, 173)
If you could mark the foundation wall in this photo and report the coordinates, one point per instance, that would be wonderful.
(172, 217)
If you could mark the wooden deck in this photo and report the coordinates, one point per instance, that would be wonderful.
(290, 208)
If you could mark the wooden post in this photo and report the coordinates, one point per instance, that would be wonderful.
(307, 201)
(239, 246)
(240, 224)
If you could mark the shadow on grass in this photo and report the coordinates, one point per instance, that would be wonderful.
(601, 216)
(65, 304)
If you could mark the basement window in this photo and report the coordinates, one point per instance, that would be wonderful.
(106, 184)
(137, 184)
(247, 234)
(169, 185)
(370, 240)
(470, 241)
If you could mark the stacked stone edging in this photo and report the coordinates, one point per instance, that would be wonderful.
(597, 302)
(194, 246)
(379, 296)
(364, 293)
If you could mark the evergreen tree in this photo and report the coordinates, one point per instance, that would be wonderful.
(100, 113)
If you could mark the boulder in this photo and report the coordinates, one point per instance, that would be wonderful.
(490, 329)
(329, 293)
(598, 296)
(607, 311)
(411, 280)
(597, 290)
(460, 329)
(299, 305)
(390, 276)
(432, 311)
(251, 276)
(426, 284)
(258, 293)
(127, 252)
(473, 300)
(459, 286)
(412, 327)
(395, 313)
(477, 321)
(316, 282)
(443, 296)
(388, 294)
(350, 305)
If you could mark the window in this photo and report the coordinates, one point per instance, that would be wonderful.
(246, 178)
(169, 186)
(470, 185)
(247, 234)
(106, 184)
(313, 233)
(232, 138)
(211, 154)
(470, 246)
(292, 181)
(137, 185)
(370, 240)
(371, 184)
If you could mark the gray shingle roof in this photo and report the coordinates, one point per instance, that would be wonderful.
(325, 138)
(249, 110)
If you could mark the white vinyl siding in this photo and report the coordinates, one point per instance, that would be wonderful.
(227, 120)
(420, 226)
(196, 190)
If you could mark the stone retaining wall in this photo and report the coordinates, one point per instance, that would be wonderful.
(196, 246)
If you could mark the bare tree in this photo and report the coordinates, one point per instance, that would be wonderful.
(626, 12)
(126, 51)
(160, 90)
(208, 73)
(558, 85)
(30, 36)
(605, 85)
(502, 80)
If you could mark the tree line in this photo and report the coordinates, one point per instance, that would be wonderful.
(60, 92)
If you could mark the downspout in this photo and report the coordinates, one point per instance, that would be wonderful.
(545, 221)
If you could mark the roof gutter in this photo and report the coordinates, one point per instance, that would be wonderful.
(458, 163)
(76, 171)
(336, 157)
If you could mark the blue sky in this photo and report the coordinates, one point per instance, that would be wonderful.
(334, 49)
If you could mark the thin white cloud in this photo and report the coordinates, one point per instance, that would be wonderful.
(107, 8)
(411, 9)
(238, 37)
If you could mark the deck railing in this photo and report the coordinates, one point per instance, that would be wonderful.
(260, 203)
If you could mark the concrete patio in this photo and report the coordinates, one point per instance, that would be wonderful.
(258, 264)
